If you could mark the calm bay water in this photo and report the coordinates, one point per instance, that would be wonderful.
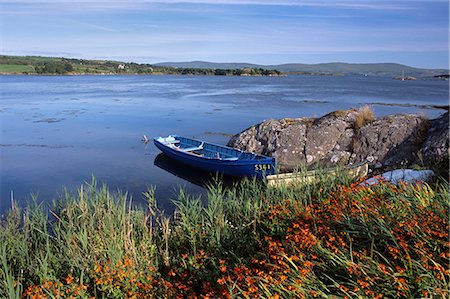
(58, 131)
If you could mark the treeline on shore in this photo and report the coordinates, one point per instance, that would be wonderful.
(335, 238)
(71, 66)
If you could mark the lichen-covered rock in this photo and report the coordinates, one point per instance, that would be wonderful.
(435, 149)
(390, 140)
(291, 145)
(329, 139)
(283, 139)
(339, 138)
(326, 140)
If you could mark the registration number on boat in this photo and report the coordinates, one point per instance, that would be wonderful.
(259, 167)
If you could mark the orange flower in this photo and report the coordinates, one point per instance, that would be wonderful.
(362, 283)
(221, 281)
(69, 279)
(313, 293)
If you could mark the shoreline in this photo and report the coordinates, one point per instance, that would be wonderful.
(283, 74)
(137, 74)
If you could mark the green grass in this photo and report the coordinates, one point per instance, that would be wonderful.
(330, 238)
(56, 65)
(15, 68)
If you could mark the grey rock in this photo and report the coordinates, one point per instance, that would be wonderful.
(334, 139)
(435, 149)
(329, 139)
(390, 140)
(294, 141)
(283, 139)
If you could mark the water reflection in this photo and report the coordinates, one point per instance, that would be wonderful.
(192, 175)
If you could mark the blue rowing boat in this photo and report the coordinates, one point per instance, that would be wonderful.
(215, 158)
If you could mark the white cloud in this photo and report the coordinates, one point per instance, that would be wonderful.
(15, 6)
(101, 28)
(42, 52)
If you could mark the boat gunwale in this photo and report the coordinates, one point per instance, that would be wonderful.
(264, 160)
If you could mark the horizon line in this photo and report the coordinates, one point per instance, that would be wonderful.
(68, 56)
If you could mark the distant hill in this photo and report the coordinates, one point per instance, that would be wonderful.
(211, 65)
(371, 69)
(73, 66)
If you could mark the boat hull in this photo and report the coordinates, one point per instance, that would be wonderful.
(290, 179)
(259, 167)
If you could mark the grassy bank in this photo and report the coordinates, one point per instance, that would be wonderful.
(71, 66)
(333, 238)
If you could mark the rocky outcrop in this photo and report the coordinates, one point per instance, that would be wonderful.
(344, 137)
(284, 139)
(391, 140)
(329, 140)
(435, 149)
(326, 140)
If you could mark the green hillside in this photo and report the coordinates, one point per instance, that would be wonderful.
(72, 66)
(16, 68)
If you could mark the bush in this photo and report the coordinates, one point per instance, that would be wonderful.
(364, 116)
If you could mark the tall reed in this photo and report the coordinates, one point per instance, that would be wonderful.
(332, 237)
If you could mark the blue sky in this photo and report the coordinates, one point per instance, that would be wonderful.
(414, 33)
